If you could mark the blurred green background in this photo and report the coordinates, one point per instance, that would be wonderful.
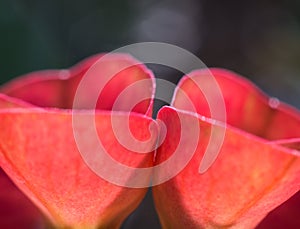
(258, 39)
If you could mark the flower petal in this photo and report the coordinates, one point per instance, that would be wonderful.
(252, 174)
(247, 107)
(249, 178)
(16, 209)
(39, 153)
(81, 183)
(284, 216)
(112, 73)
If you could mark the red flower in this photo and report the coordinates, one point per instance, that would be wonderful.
(253, 172)
(39, 152)
(220, 171)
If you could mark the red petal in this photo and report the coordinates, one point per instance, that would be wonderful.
(249, 178)
(39, 153)
(247, 107)
(16, 210)
(57, 88)
(284, 216)
(9, 102)
(251, 175)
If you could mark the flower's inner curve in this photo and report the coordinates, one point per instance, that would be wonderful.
(247, 108)
(57, 88)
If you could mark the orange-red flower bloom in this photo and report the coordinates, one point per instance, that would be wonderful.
(254, 171)
(253, 168)
(39, 152)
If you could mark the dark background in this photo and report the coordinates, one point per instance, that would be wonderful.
(258, 39)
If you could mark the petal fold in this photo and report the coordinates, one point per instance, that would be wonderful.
(102, 77)
(39, 153)
(16, 209)
(248, 179)
(257, 164)
(90, 183)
